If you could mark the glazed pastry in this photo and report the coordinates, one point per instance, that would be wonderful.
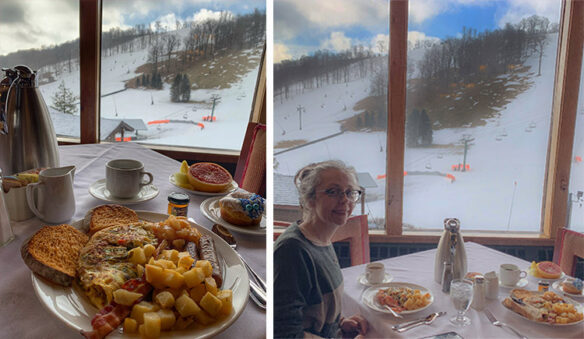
(573, 286)
(242, 208)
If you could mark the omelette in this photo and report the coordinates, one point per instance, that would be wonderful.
(103, 265)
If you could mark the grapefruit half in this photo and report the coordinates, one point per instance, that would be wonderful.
(208, 177)
(548, 270)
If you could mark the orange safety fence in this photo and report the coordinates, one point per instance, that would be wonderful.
(153, 122)
(383, 176)
(125, 139)
(578, 158)
(459, 167)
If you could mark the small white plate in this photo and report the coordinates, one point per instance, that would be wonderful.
(536, 279)
(520, 284)
(211, 210)
(98, 190)
(229, 189)
(557, 285)
(363, 280)
(368, 297)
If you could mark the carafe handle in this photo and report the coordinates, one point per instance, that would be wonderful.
(30, 189)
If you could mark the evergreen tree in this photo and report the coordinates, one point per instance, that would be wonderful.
(425, 129)
(138, 82)
(412, 128)
(185, 89)
(64, 100)
(418, 129)
(175, 90)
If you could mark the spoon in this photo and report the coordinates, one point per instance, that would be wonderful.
(228, 237)
(425, 321)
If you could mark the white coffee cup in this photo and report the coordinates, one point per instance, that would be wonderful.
(511, 274)
(492, 285)
(124, 177)
(375, 273)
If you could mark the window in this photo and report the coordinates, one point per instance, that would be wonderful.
(330, 85)
(477, 117)
(576, 191)
(180, 74)
(41, 35)
(478, 114)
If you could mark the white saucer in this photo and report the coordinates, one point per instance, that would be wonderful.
(520, 284)
(98, 190)
(363, 280)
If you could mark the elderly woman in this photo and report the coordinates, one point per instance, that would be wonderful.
(308, 283)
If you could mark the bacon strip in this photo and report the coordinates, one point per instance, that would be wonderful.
(112, 315)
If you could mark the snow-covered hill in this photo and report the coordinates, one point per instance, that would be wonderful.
(502, 191)
(232, 111)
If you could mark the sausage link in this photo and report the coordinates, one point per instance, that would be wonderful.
(207, 252)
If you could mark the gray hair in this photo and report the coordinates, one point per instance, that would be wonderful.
(308, 178)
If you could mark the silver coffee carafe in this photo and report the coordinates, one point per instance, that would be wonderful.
(450, 250)
(27, 136)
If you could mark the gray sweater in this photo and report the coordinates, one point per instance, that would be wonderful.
(308, 285)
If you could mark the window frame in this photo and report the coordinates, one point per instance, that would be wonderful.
(563, 115)
(90, 14)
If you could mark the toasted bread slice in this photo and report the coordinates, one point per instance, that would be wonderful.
(105, 216)
(524, 304)
(53, 252)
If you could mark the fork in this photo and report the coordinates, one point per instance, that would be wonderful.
(496, 322)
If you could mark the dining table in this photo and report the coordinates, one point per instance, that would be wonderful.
(23, 315)
(418, 268)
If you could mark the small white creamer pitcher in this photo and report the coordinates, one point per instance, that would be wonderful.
(55, 197)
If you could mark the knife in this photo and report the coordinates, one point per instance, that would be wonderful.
(409, 325)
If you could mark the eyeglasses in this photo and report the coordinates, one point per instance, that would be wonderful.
(352, 195)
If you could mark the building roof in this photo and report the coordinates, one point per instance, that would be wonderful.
(70, 125)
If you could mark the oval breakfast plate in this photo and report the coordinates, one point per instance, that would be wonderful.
(557, 285)
(577, 305)
(368, 297)
(230, 188)
(210, 209)
(71, 306)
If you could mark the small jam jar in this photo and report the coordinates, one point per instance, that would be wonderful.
(178, 204)
(543, 286)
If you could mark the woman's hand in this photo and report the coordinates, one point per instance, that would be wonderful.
(354, 326)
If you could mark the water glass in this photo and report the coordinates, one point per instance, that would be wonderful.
(461, 291)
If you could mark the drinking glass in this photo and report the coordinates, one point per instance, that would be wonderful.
(461, 296)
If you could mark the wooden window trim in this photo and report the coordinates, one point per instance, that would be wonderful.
(90, 68)
(90, 12)
(565, 100)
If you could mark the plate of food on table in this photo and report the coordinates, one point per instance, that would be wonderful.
(204, 178)
(548, 308)
(239, 211)
(572, 287)
(547, 271)
(123, 273)
(402, 297)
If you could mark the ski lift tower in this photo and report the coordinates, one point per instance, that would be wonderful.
(216, 99)
(467, 140)
(300, 109)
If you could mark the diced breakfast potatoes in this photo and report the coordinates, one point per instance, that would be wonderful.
(564, 313)
(184, 293)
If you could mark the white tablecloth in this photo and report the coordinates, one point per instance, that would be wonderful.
(418, 268)
(23, 316)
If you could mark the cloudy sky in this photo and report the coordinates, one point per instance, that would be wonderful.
(303, 26)
(26, 24)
